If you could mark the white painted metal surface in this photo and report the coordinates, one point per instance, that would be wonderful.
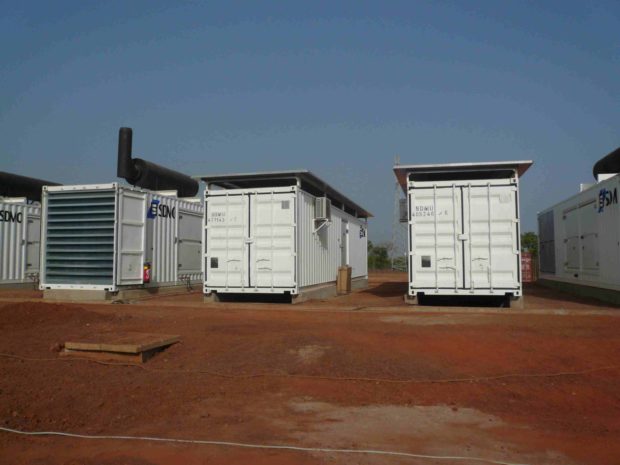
(579, 238)
(123, 228)
(321, 252)
(463, 230)
(264, 240)
(20, 235)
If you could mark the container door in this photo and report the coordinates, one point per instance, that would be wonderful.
(271, 240)
(33, 244)
(130, 237)
(588, 222)
(189, 243)
(436, 237)
(226, 241)
(571, 241)
(490, 242)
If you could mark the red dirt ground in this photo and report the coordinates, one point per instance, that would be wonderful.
(272, 374)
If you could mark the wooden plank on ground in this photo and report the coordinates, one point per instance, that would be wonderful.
(127, 343)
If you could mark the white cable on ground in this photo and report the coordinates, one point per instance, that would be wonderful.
(260, 446)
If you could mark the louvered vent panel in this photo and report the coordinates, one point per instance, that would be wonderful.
(80, 237)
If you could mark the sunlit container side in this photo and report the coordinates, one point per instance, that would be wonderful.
(279, 233)
(20, 235)
(464, 228)
(322, 252)
(109, 237)
(579, 240)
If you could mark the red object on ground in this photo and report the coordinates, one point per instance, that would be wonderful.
(527, 269)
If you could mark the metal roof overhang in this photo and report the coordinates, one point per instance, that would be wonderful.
(402, 171)
(308, 181)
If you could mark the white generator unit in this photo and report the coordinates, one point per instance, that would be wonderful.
(463, 228)
(579, 241)
(110, 237)
(20, 236)
(280, 233)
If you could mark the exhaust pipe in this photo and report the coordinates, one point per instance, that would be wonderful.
(14, 185)
(125, 167)
(149, 175)
(609, 164)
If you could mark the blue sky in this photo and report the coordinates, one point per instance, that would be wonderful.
(340, 88)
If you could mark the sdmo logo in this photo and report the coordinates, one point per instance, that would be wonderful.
(10, 217)
(607, 197)
(158, 209)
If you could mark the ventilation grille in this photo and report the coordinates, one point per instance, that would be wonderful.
(80, 237)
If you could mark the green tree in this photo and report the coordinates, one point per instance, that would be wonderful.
(378, 258)
(529, 243)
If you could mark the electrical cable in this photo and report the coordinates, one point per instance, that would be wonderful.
(318, 377)
(261, 446)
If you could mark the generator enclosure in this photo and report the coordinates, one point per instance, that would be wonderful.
(111, 237)
(579, 238)
(279, 233)
(463, 228)
(20, 236)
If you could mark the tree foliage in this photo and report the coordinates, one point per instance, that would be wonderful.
(378, 258)
(529, 243)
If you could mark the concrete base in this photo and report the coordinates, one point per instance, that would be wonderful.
(604, 295)
(517, 302)
(88, 295)
(318, 292)
(20, 285)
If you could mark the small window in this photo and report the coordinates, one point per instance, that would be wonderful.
(214, 262)
(426, 261)
(286, 205)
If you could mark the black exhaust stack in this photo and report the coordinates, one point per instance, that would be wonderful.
(149, 175)
(14, 185)
(609, 164)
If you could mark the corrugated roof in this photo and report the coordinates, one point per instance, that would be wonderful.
(401, 171)
(271, 178)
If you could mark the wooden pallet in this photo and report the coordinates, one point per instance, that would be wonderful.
(127, 347)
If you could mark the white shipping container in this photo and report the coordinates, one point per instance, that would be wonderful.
(463, 228)
(579, 238)
(20, 235)
(265, 233)
(101, 237)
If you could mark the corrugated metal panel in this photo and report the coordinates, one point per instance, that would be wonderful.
(19, 242)
(546, 239)
(163, 238)
(190, 244)
(358, 253)
(320, 253)
(579, 238)
(464, 237)
(161, 227)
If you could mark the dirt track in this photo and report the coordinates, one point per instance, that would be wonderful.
(273, 374)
